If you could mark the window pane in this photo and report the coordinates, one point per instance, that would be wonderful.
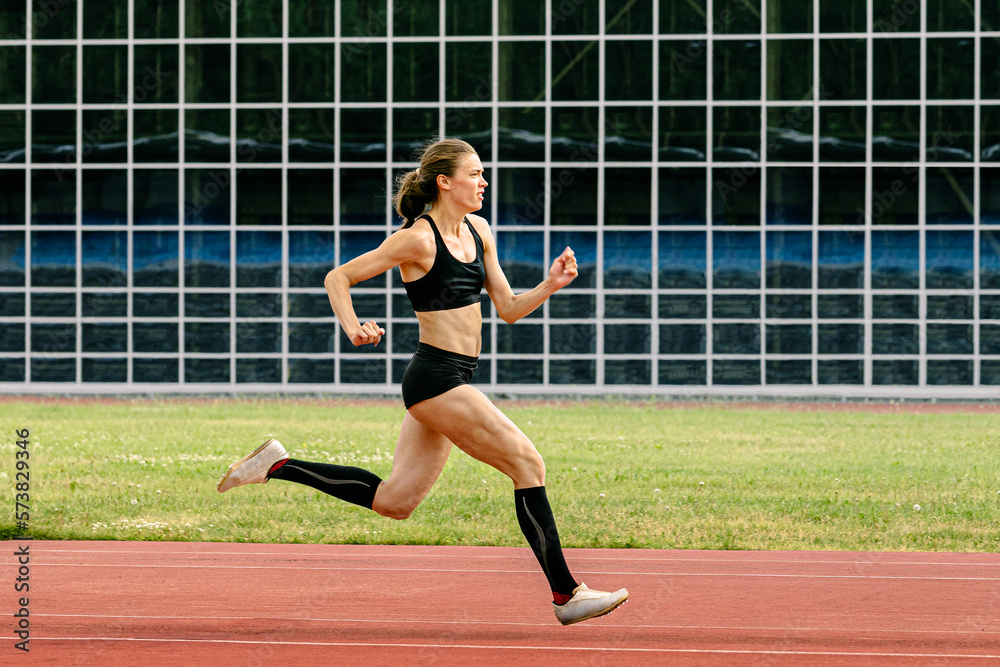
(105, 370)
(628, 133)
(949, 195)
(522, 133)
(627, 371)
(105, 135)
(520, 196)
(207, 195)
(515, 18)
(353, 244)
(206, 259)
(575, 19)
(628, 260)
(207, 73)
(843, 15)
(362, 135)
(897, 76)
(575, 73)
(521, 256)
(840, 306)
(155, 73)
(410, 129)
(989, 260)
(53, 259)
(310, 257)
(788, 306)
(627, 196)
(53, 74)
(574, 133)
(105, 69)
(788, 371)
(842, 64)
(258, 18)
(989, 75)
(841, 196)
(950, 338)
(154, 197)
(949, 259)
(989, 196)
(311, 75)
(258, 135)
(895, 338)
(362, 197)
(105, 196)
(573, 196)
(159, 19)
(628, 71)
(627, 306)
(522, 72)
(363, 18)
(736, 338)
(736, 70)
(626, 339)
(736, 196)
(949, 307)
(473, 125)
(206, 135)
(789, 16)
(842, 133)
(258, 197)
(734, 17)
(789, 260)
(568, 305)
(520, 339)
(468, 71)
(415, 72)
(789, 69)
(155, 304)
(258, 259)
(735, 371)
(572, 371)
(258, 71)
(895, 195)
(683, 134)
(310, 18)
(896, 15)
(12, 135)
(104, 257)
(736, 306)
(789, 134)
(789, 196)
(682, 339)
(310, 135)
(155, 135)
(896, 133)
(53, 136)
(155, 259)
(682, 260)
(682, 17)
(841, 339)
(682, 196)
(949, 371)
(950, 133)
(106, 19)
(950, 68)
(12, 197)
(841, 260)
(895, 306)
(53, 370)
(205, 20)
(53, 197)
(683, 66)
(736, 134)
(736, 260)
(895, 260)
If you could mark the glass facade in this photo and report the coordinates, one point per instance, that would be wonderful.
(764, 196)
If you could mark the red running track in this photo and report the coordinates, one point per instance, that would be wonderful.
(166, 603)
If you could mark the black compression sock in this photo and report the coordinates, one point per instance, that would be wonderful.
(539, 527)
(354, 485)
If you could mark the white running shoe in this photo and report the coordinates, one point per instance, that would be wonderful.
(587, 603)
(252, 468)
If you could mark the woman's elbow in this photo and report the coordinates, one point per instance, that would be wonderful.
(336, 278)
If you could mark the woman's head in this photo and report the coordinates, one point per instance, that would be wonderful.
(418, 188)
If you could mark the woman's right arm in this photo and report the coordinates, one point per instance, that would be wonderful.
(404, 246)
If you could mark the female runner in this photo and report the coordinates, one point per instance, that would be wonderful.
(445, 256)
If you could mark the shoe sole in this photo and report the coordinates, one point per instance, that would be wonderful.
(234, 466)
(603, 613)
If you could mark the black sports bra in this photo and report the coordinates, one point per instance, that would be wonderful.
(450, 283)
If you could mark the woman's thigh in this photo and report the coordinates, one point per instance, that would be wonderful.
(466, 417)
(420, 456)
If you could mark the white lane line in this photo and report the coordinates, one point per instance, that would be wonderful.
(582, 572)
(576, 557)
(616, 649)
(381, 621)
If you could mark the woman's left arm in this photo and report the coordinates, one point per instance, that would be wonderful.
(512, 307)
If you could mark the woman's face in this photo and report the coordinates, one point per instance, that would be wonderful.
(467, 185)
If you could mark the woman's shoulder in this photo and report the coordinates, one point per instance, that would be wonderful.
(418, 239)
(479, 224)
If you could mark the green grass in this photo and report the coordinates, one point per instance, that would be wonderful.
(619, 475)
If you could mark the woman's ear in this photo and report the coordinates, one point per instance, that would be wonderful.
(442, 182)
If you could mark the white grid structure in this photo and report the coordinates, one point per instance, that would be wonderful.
(377, 372)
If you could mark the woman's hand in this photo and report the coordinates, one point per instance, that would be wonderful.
(369, 332)
(563, 269)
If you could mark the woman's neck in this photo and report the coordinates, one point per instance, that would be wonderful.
(447, 218)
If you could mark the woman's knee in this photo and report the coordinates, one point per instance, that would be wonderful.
(393, 507)
(530, 469)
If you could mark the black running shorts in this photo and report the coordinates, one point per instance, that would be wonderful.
(433, 371)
